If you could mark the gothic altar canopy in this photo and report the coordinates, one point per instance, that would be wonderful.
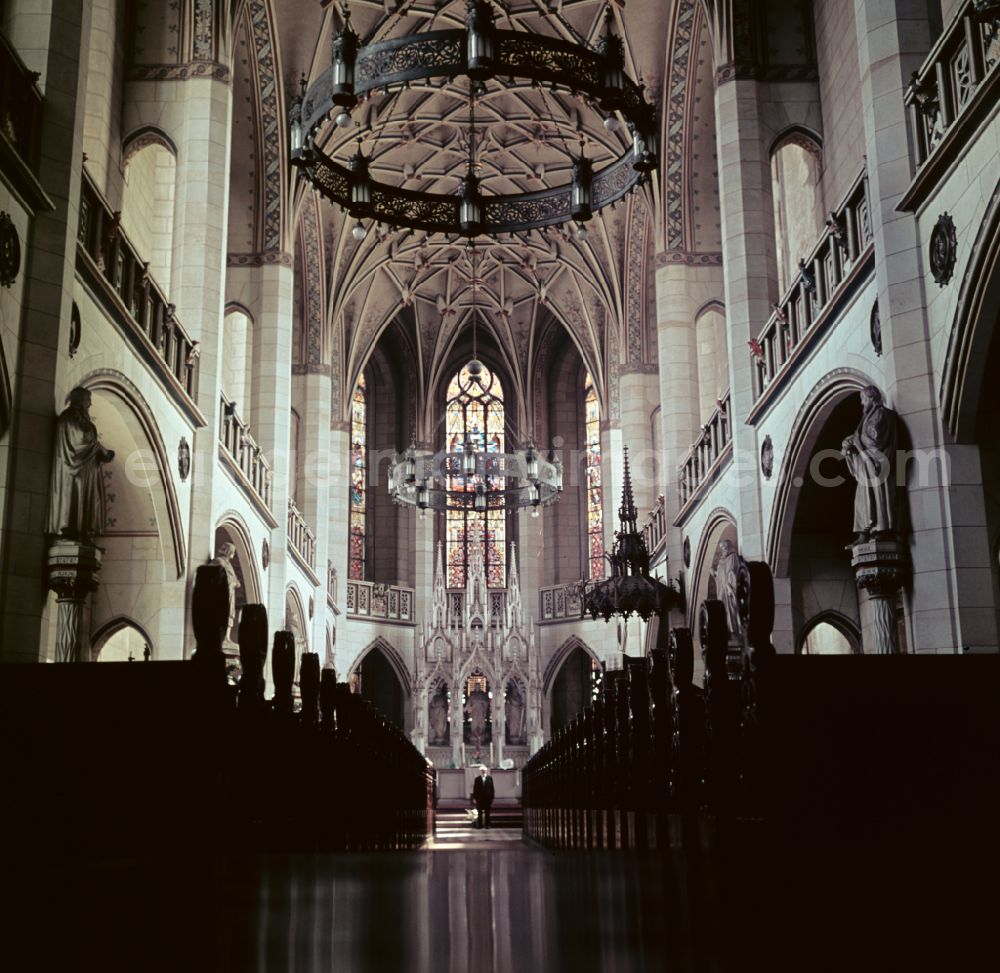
(478, 687)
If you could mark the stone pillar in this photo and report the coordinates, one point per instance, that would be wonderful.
(949, 559)
(750, 278)
(197, 279)
(72, 575)
(270, 415)
(338, 513)
(640, 389)
(879, 566)
(49, 276)
(681, 289)
(313, 382)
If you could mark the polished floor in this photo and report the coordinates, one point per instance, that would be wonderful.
(484, 902)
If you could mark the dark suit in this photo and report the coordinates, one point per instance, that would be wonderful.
(482, 794)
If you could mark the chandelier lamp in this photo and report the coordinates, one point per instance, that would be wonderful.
(483, 53)
(630, 588)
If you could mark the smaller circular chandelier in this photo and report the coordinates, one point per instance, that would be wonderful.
(481, 52)
(474, 477)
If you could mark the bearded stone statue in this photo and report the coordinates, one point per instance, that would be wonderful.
(77, 508)
(870, 453)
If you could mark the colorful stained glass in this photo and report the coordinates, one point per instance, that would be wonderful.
(595, 492)
(474, 419)
(356, 546)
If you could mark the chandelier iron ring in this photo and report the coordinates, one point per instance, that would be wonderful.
(479, 51)
(420, 478)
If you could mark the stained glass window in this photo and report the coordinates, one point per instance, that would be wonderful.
(595, 494)
(356, 543)
(474, 416)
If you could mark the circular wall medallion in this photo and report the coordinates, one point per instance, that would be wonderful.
(687, 552)
(265, 554)
(943, 249)
(10, 250)
(767, 458)
(183, 459)
(75, 330)
(875, 330)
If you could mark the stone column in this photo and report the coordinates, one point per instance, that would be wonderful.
(950, 558)
(55, 44)
(270, 415)
(879, 566)
(338, 513)
(197, 280)
(72, 575)
(681, 289)
(640, 388)
(750, 276)
(313, 382)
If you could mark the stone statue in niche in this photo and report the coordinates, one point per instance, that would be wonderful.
(477, 707)
(77, 503)
(224, 555)
(515, 715)
(438, 735)
(727, 573)
(870, 453)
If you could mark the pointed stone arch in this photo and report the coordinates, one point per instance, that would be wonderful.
(393, 657)
(720, 523)
(144, 426)
(559, 657)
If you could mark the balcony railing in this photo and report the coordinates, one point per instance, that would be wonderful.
(239, 445)
(20, 108)
(952, 83)
(369, 599)
(101, 237)
(823, 279)
(654, 530)
(701, 461)
(300, 535)
(560, 602)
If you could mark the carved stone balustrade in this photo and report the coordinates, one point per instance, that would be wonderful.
(244, 456)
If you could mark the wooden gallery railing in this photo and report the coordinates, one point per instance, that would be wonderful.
(704, 458)
(301, 535)
(145, 308)
(654, 743)
(240, 446)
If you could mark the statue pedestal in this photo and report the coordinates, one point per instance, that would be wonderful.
(879, 568)
(72, 570)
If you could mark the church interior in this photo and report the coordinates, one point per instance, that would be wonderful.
(594, 392)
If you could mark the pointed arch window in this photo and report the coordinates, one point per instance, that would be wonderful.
(595, 492)
(356, 542)
(474, 415)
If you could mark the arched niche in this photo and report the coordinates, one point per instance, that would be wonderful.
(515, 702)
(143, 545)
(295, 620)
(237, 356)
(813, 514)
(381, 678)
(796, 174)
(719, 530)
(439, 713)
(233, 530)
(712, 341)
(150, 172)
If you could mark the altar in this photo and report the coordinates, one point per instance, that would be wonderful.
(478, 692)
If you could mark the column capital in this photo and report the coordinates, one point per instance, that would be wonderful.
(880, 566)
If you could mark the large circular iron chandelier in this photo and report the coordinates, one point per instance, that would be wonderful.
(481, 52)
